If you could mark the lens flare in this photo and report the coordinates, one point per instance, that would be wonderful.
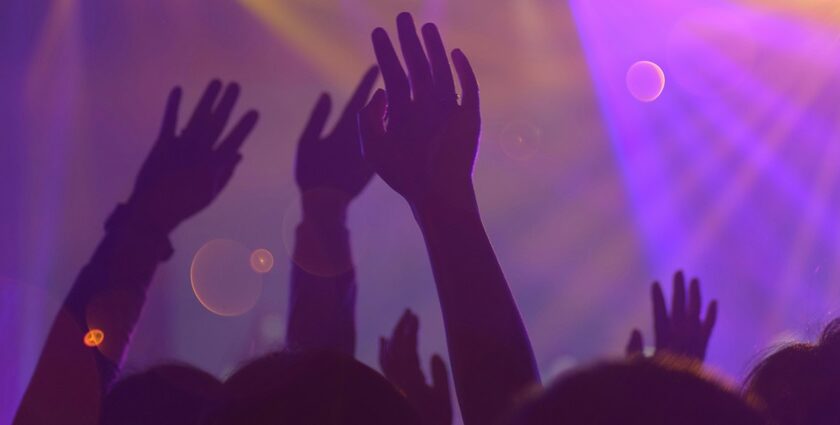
(262, 261)
(645, 81)
(222, 278)
(94, 337)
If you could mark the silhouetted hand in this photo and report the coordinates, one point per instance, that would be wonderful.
(335, 162)
(401, 365)
(427, 148)
(185, 172)
(683, 332)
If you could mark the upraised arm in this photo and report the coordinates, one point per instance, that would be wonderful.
(183, 174)
(683, 332)
(400, 362)
(426, 152)
(330, 173)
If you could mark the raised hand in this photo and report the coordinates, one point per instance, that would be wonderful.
(186, 171)
(683, 332)
(330, 172)
(334, 162)
(426, 149)
(401, 365)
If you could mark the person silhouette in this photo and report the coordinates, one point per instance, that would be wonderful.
(799, 382)
(310, 387)
(182, 175)
(330, 173)
(425, 150)
(662, 390)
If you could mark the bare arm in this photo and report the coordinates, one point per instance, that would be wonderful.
(426, 153)
(182, 176)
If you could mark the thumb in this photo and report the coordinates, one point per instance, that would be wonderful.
(635, 346)
(372, 126)
(440, 376)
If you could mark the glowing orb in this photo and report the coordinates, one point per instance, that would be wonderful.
(262, 261)
(222, 278)
(521, 140)
(94, 337)
(645, 80)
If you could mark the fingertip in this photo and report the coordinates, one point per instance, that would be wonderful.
(429, 28)
(379, 34)
(458, 55)
(656, 288)
(324, 99)
(404, 18)
(252, 115)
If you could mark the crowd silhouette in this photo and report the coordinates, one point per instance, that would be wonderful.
(421, 137)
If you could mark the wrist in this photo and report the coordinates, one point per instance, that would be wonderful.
(324, 206)
(150, 216)
(128, 220)
(457, 200)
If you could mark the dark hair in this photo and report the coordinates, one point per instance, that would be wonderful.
(659, 391)
(163, 395)
(310, 388)
(799, 383)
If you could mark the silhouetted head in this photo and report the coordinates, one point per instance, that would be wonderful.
(800, 383)
(163, 395)
(310, 388)
(639, 391)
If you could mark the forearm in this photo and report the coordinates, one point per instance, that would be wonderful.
(322, 297)
(108, 295)
(491, 356)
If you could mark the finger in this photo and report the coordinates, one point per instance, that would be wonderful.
(396, 82)
(419, 71)
(170, 116)
(358, 100)
(317, 120)
(402, 325)
(711, 319)
(386, 361)
(440, 377)
(636, 345)
(678, 299)
(441, 71)
(221, 114)
(694, 301)
(661, 326)
(203, 110)
(405, 335)
(240, 132)
(469, 84)
(372, 128)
